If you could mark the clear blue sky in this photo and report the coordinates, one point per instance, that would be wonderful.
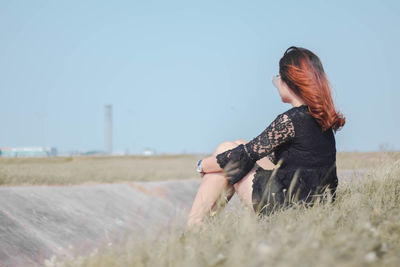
(183, 76)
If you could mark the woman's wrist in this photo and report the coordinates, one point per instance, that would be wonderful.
(199, 167)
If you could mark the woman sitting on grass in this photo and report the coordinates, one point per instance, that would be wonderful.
(293, 160)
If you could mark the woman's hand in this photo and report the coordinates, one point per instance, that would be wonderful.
(210, 164)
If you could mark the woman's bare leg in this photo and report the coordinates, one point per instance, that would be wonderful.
(229, 190)
(210, 190)
(244, 188)
(214, 184)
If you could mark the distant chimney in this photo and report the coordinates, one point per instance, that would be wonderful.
(108, 128)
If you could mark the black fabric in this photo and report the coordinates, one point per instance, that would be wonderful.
(294, 141)
(279, 188)
(236, 163)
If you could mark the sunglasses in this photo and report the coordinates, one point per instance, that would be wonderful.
(275, 79)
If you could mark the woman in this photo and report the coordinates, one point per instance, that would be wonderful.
(292, 160)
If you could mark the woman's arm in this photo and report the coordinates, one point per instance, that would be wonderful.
(224, 161)
(210, 164)
(280, 131)
(237, 162)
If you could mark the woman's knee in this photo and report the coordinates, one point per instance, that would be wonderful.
(224, 146)
(240, 142)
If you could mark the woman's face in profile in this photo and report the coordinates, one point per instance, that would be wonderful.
(283, 89)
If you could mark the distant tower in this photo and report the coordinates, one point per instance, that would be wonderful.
(108, 128)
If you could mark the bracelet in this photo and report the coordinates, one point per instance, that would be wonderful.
(199, 168)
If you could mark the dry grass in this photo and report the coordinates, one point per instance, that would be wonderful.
(361, 228)
(77, 170)
(365, 160)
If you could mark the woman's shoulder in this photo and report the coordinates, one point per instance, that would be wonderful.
(301, 118)
(293, 117)
(295, 112)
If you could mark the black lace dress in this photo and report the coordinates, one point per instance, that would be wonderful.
(305, 159)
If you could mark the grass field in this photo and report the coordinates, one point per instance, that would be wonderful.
(76, 170)
(361, 228)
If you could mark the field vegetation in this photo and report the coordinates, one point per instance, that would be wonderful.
(102, 169)
(89, 169)
(361, 228)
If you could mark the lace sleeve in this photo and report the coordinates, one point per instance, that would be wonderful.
(237, 162)
(280, 131)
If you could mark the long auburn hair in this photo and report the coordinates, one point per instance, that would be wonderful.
(302, 71)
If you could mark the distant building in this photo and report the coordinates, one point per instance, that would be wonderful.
(108, 128)
(28, 152)
(148, 152)
(92, 153)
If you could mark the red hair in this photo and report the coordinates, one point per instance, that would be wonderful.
(302, 71)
